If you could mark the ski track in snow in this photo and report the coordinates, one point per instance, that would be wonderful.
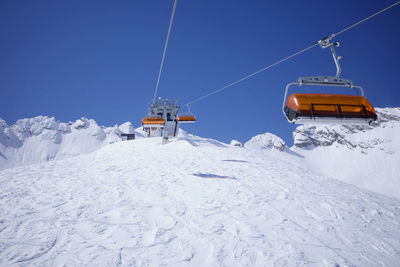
(190, 203)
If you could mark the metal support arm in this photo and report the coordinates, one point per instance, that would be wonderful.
(336, 58)
(284, 99)
(326, 42)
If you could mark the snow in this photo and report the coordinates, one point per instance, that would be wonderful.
(42, 138)
(266, 141)
(127, 128)
(192, 202)
(236, 143)
(73, 194)
(366, 156)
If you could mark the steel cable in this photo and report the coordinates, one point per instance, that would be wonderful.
(165, 49)
(293, 55)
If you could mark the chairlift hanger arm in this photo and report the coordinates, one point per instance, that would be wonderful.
(188, 107)
(326, 42)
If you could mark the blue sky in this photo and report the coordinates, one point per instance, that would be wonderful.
(100, 59)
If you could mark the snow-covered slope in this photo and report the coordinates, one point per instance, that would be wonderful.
(192, 202)
(366, 156)
(42, 138)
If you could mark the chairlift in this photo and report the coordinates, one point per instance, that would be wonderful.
(153, 122)
(186, 117)
(313, 108)
(162, 118)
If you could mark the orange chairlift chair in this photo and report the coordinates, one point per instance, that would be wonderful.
(153, 121)
(306, 108)
(186, 117)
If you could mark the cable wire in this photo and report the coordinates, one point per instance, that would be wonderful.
(293, 55)
(367, 18)
(165, 49)
(252, 74)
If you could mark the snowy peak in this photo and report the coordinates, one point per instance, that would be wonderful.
(266, 141)
(379, 134)
(50, 129)
(42, 138)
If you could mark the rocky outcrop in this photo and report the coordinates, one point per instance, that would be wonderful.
(349, 136)
(236, 143)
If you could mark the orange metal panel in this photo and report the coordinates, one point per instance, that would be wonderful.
(330, 104)
(186, 118)
(153, 121)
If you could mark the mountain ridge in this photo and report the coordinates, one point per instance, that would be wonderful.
(365, 156)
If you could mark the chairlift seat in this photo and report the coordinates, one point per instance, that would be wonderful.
(304, 108)
(153, 122)
(186, 118)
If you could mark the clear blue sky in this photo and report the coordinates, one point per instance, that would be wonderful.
(100, 59)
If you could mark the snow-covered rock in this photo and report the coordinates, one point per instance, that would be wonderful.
(42, 138)
(376, 135)
(127, 128)
(366, 156)
(266, 141)
(7, 137)
(79, 123)
(236, 143)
